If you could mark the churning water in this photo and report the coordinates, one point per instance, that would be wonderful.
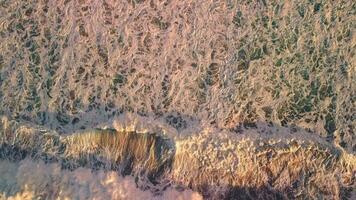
(167, 99)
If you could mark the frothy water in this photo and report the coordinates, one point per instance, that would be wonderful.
(205, 95)
(28, 179)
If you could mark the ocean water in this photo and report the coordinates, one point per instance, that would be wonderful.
(226, 86)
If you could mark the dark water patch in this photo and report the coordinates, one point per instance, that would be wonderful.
(136, 154)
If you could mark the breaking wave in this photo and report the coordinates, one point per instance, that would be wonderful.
(169, 99)
(217, 164)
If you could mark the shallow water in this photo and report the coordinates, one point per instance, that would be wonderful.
(249, 69)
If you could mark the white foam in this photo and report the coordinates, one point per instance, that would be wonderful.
(49, 180)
